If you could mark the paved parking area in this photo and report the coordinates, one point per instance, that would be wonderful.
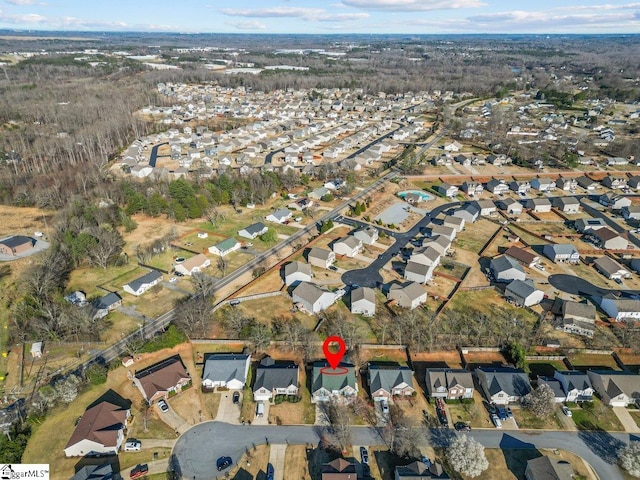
(227, 411)
(276, 458)
(264, 420)
(172, 419)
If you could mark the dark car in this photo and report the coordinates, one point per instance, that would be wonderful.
(509, 413)
(270, 472)
(236, 397)
(223, 462)
(139, 471)
(178, 274)
(462, 426)
(364, 455)
(502, 413)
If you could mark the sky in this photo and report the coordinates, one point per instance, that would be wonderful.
(324, 16)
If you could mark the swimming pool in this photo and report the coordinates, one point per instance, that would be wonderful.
(424, 197)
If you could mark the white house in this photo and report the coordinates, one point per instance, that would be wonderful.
(280, 216)
(225, 370)
(576, 385)
(312, 298)
(367, 235)
(193, 265)
(410, 296)
(349, 246)
(319, 257)
(225, 247)
(616, 388)
(363, 301)
(253, 231)
(621, 309)
(275, 378)
(296, 272)
(143, 283)
(418, 272)
(523, 293)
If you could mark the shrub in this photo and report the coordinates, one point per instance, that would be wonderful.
(169, 339)
(96, 374)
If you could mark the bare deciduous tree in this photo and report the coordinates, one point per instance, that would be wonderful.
(338, 433)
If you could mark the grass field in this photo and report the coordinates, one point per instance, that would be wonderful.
(526, 419)
(544, 368)
(586, 361)
(474, 237)
(600, 417)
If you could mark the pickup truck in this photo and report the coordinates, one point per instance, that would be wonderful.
(139, 470)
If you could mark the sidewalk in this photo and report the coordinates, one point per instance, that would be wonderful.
(626, 420)
(276, 458)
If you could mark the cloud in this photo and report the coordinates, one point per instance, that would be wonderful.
(66, 23)
(413, 5)
(24, 2)
(248, 25)
(308, 14)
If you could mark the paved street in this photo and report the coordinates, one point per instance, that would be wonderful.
(197, 450)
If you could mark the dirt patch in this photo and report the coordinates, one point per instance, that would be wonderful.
(253, 464)
(478, 359)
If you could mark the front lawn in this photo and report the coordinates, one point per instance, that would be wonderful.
(597, 417)
(526, 419)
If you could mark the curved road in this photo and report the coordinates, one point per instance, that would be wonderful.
(579, 286)
(196, 451)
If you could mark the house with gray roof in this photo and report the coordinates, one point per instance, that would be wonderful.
(280, 215)
(561, 253)
(577, 318)
(611, 269)
(339, 384)
(556, 387)
(545, 468)
(367, 235)
(320, 257)
(506, 269)
(575, 384)
(225, 247)
(410, 296)
(312, 298)
(620, 309)
(253, 231)
(632, 212)
(613, 201)
(425, 256)
(349, 246)
(586, 183)
(363, 301)
(103, 471)
(566, 183)
(443, 230)
(296, 272)
(543, 184)
(584, 224)
(469, 212)
(568, 205)
(457, 223)
(502, 385)
(420, 471)
(523, 293)
(449, 383)
(275, 378)
(105, 304)
(510, 206)
(486, 207)
(497, 187)
(387, 381)
(228, 370)
(538, 205)
(142, 284)
(616, 388)
(440, 243)
(418, 272)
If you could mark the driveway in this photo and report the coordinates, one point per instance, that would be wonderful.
(626, 420)
(227, 411)
(264, 419)
(149, 443)
(276, 459)
(172, 419)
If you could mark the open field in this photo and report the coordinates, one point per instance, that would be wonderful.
(585, 361)
(526, 419)
(479, 359)
(599, 417)
(631, 361)
(475, 236)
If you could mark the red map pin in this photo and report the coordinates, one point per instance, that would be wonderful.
(334, 358)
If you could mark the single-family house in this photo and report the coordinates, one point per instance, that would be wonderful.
(349, 246)
(449, 383)
(338, 384)
(77, 298)
(497, 187)
(502, 385)
(457, 223)
(296, 272)
(509, 205)
(425, 255)
(566, 184)
(440, 243)
(367, 235)
(543, 184)
(523, 293)
(616, 388)
(193, 265)
(522, 256)
(453, 146)
(473, 189)
(631, 212)
(105, 304)
(505, 269)
(225, 247)
(420, 471)
(386, 381)
(561, 253)
(469, 212)
(100, 430)
(363, 301)
(280, 215)
(575, 384)
(339, 469)
(613, 182)
(611, 269)
(568, 205)
(253, 231)
(448, 232)
(320, 257)
(142, 284)
(614, 201)
(227, 370)
(556, 387)
(446, 189)
(608, 239)
(275, 378)
(620, 309)
(586, 183)
(312, 298)
(410, 295)
(103, 471)
(520, 187)
(301, 204)
(634, 182)
(486, 207)
(418, 272)
(16, 244)
(582, 225)
(577, 317)
(160, 379)
(538, 205)
(545, 468)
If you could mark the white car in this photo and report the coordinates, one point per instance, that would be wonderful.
(566, 411)
(173, 279)
(132, 445)
(385, 407)
(496, 420)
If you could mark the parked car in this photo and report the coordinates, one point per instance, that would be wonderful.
(502, 413)
(385, 407)
(496, 421)
(462, 427)
(270, 472)
(132, 445)
(364, 455)
(566, 411)
(163, 406)
(223, 462)
(509, 413)
(139, 470)
(333, 267)
(236, 398)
